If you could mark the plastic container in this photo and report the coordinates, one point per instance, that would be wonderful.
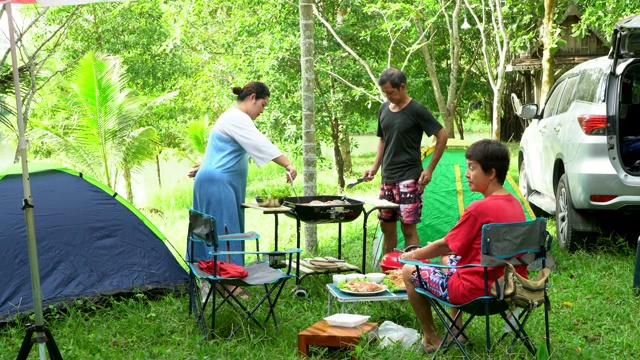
(338, 278)
(347, 320)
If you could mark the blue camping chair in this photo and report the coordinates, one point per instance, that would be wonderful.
(519, 243)
(266, 273)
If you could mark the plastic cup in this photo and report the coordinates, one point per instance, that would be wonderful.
(338, 278)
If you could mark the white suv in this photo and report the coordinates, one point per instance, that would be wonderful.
(580, 157)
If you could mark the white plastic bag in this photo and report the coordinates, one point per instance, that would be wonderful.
(391, 333)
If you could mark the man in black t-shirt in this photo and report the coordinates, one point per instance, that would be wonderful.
(401, 122)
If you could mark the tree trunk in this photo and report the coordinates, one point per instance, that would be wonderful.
(336, 126)
(548, 44)
(158, 173)
(494, 38)
(337, 153)
(512, 126)
(509, 126)
(308, 116)
(345, 150)
(498, 92)
(446, 106)
(459, 120)
(126, 173)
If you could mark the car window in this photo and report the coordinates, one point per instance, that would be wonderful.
(592, 84)
(567, 95)
(550, 108)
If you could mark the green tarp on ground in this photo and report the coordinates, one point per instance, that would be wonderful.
(447, 195)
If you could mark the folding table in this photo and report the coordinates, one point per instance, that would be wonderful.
(350, 299)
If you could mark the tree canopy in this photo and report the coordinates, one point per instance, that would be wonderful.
(197, 50)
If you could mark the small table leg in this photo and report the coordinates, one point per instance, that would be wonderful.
(303, 347)
(321, 334)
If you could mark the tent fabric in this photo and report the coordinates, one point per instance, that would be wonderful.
(90, 242)
(447, 196)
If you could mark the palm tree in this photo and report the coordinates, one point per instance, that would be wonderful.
(7, 109)
(104, 136)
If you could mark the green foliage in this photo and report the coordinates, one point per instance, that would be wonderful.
(103, 134)
(279, 192)
(7, 112)
(270, 182)
(476, 121)
(174, 198)
(196, 133)
(602, 17)
(523, 21)
(542, 353)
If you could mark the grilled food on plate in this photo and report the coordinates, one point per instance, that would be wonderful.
(394, 280)
(361, 286)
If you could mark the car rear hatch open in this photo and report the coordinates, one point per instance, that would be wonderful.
(623, 102)
(625, 42)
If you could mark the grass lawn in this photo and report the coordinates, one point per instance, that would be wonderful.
(592, 317)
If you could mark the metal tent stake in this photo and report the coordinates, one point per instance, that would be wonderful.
(42, 335)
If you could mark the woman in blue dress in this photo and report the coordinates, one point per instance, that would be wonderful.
(221, 180)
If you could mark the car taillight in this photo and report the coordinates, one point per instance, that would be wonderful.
(593, 124)
(602, 198)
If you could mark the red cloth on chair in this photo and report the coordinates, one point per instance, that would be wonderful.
(224, 269)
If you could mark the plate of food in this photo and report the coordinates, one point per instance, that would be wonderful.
(363, 293)
(361, 287)
(394, 281)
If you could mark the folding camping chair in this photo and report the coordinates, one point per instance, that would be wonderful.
(265, 272)
(517, 243)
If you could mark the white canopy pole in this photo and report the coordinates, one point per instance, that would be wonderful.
(28, 200)
(41, 334)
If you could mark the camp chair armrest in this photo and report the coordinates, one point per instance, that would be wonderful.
(282, 252)
(417, 263)
(251, 235)
(439, 266)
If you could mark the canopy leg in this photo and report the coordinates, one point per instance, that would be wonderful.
(42, 336)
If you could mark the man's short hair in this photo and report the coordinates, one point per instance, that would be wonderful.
(393, 76)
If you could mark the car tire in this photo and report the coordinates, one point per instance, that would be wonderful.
(568, 237)
(525, 190)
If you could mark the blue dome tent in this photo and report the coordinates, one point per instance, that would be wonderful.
(91, 242)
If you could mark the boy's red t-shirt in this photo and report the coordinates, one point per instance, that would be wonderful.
(465, 240)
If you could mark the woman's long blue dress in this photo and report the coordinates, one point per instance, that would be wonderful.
(221, 182)
(220, 189)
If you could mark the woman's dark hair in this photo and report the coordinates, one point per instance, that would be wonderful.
(255, 87)
(393, 76)
(490, 154)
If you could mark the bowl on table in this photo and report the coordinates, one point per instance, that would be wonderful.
(351, 277)
(271, 203)
(375, 277)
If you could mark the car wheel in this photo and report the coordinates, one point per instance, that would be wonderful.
(568, 237)
(525, 189)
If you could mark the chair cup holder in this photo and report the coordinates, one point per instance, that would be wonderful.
(276, 260)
